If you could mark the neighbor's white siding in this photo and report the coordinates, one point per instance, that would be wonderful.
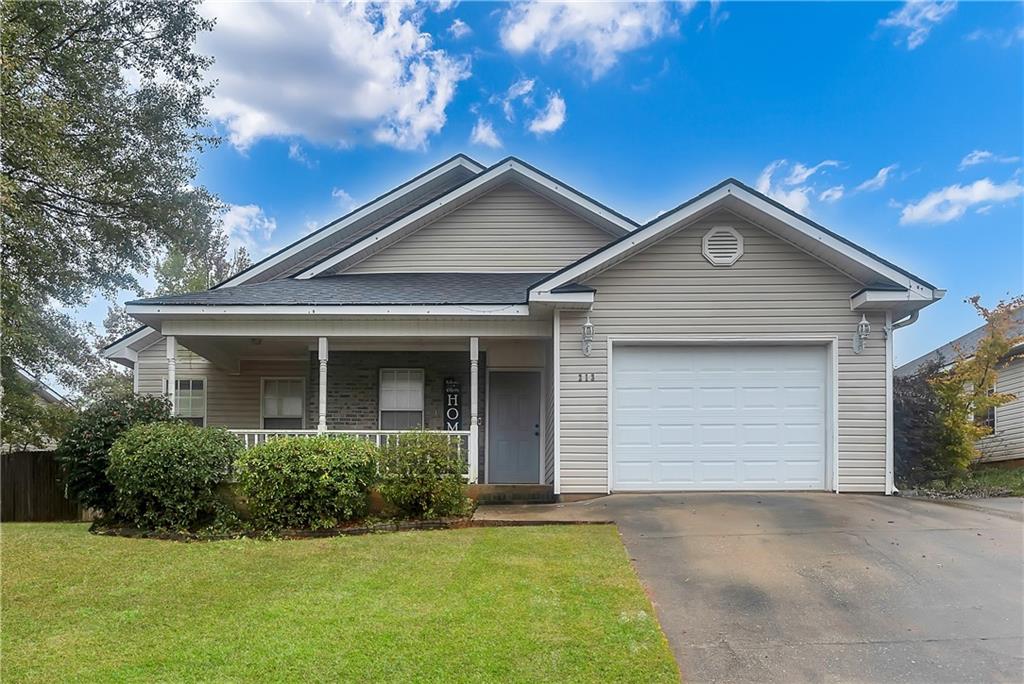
(1008, 440)
(670, 290)
(510, 229)
(231, 400)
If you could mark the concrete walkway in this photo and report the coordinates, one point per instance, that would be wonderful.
(822, 587)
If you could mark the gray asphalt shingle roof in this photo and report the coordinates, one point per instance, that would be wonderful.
(965, 343)
(367, 289)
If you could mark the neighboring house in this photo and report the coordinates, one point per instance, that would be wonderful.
(44, 395)
(722, 345)
(1006, 443)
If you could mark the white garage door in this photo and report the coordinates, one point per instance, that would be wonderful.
(716, 418)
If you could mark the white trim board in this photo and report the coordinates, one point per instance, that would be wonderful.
(831, 343)
(308, 241)
(500, 173)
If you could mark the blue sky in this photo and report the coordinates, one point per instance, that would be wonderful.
(913, 112)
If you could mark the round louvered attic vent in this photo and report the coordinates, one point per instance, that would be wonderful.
(723, 246)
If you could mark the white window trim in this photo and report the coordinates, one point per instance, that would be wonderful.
(206, 394)
(423, 393)
(264, 378)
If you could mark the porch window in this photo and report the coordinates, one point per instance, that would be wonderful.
(190, 400)
(284, 401)
(401, 398)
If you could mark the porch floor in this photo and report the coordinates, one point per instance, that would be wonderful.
(486, 494)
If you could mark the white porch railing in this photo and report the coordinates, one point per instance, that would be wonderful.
(460, 438)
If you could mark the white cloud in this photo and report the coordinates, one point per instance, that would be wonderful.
(796, 198)
(483, 134)
(918, 17)
(800, 173)
(459, 29)
(878, 181)
(335, 74)
(247, 226)
(951, 202)
(1002, 37)
(596, 34)
(342, 198)
(522, 89)
(833, 194)
(983, 157)
(296, 153)
(551, 118)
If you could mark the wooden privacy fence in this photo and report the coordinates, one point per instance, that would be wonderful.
(30, 490)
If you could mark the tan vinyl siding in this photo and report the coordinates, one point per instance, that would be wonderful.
(509, 229)
(231, 400)
(1008, 440)
(670, 290)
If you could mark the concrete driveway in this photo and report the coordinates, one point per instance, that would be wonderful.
(821, 587)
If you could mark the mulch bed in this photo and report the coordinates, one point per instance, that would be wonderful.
(348, 530)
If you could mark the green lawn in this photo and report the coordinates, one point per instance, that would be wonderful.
(497, 604)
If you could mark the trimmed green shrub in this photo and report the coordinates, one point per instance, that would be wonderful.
(310, 482)
(166, 475)
(421, 476)
(83, 451)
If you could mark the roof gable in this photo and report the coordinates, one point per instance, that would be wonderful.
(503, 172)
(343, 231)
(842, 254)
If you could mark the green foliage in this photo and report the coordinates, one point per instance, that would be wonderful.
(103, 116)
(26, 420)
(307, 481)
(978, 482)
(421, 476)
(84, 450)
(966, 389)
(916, 427)
(167, 475)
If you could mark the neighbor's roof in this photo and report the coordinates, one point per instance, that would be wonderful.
(966, 344)
(366, 289)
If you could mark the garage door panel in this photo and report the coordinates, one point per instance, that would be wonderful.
(719, 418)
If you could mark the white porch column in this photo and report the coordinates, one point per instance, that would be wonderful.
(172, 361)
(474, 418)
(321, 425)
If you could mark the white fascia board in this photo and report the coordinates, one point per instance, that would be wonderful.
(123, 352)
(562, 297)
(887, 299)
(449, 310)
(492, 176)
(670, 221)
(365, 211)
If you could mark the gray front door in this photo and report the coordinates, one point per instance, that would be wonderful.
(513, 427)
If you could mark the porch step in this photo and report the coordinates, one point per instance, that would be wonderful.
(512, 493)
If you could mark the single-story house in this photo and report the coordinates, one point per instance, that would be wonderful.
(1006, 443)
(728, 344)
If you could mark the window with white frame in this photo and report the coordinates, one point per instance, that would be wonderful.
(284, 401)
(190, 400)
(401, 398)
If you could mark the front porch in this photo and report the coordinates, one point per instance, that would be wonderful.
(490, 397)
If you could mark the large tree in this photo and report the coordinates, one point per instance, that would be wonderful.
(103, 117)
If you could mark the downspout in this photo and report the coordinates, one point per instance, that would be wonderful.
(890, 484)
(909, 320)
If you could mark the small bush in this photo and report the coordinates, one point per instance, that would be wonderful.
(307, 481)
(422, 477)
(166, 475)
(83, 451)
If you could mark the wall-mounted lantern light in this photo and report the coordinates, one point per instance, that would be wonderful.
(863, 330)
(588, 336)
